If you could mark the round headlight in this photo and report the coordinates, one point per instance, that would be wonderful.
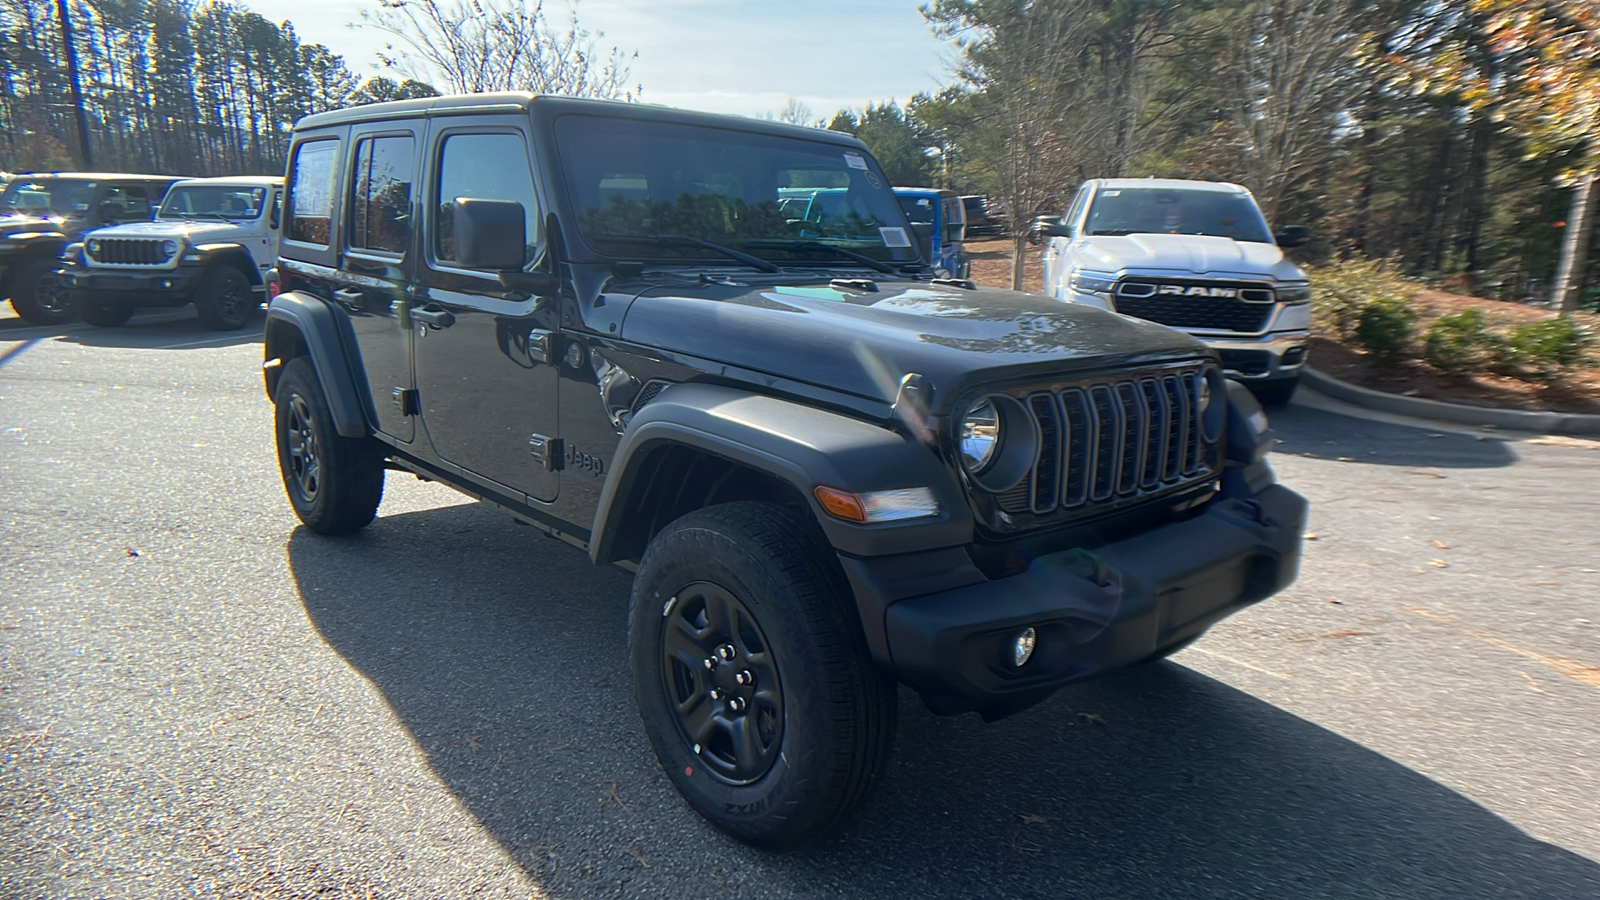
(169, 247)
(1211, 399)
(94, 247)
(980, 435)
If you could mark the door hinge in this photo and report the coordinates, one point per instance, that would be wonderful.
(548, 452)
(405, 400)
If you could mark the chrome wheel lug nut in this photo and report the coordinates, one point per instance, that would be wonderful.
(726, 651)
(711, 663)
(745, 677)
(716, 693)
(736, 704)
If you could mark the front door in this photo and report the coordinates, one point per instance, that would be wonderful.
(487, 359)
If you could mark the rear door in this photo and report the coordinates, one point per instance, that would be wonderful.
(487, 359)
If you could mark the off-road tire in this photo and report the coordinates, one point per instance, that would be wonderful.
(334, 483)
(1277, 392)
(38, 296)
(225, 301)
(838, 712)
(103, 315)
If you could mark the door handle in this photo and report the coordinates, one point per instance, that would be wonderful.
(350, 296)
(436, 318)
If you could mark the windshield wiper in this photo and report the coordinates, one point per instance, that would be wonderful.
(754, 262)
(797, 246)
(1116, 232)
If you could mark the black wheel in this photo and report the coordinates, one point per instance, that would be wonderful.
(103, 315)
(225, 301)
(334, 483)
(752, 675)
(1276, 392)
(38, 294)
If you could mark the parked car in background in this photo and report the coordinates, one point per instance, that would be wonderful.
(40, 215)
(1195, 255)
(213, 243)
(939, 221)
(984, 219)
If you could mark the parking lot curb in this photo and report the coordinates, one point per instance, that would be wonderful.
(1539, 421)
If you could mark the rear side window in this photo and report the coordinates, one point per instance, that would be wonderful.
(311, 188)
(381, 203)
(482, 167)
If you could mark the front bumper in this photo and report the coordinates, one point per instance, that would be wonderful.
(1269, 357)
(1093, 610)
(134, 287)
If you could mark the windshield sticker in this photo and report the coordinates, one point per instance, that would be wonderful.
(1110, 193)
(894, 237)
(855, 161)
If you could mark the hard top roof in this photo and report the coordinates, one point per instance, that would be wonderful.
(251, 180)
(1174, 184)
(96, 176)
(549, 105)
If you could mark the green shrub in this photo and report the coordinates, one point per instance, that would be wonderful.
(1386, 328)
(1545, 350)
(1341, 291)
(1460, 342)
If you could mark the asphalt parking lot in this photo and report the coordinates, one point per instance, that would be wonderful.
(198, 697)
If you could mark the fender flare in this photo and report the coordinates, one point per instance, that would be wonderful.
(801, 445)
(322, 335)
(230, 252)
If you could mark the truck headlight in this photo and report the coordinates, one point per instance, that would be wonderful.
(1092, 282)
(168, 248)
(94, 247)
(1211, 395)
(1294, 293)
(980, 435)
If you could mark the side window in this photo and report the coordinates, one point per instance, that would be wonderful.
(380, 205)
(126, 202)
(1076, 209)
(481, 167)
(311, 188)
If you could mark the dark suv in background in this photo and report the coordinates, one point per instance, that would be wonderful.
(982, 219)
(40, 215)
(829, 470)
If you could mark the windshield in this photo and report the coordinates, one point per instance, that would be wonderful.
(64, 197)
(640, 188)
(213, 201)
(1168, 211)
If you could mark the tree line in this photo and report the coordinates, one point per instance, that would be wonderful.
(168, 86)
(1452, 137)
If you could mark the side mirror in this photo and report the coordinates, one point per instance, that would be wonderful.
(489, 234)
(1048, 227)
(1291, 235)
(955, 232)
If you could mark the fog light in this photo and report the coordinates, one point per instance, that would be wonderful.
(1022, 650)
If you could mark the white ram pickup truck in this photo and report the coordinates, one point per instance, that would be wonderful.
(1195, 255)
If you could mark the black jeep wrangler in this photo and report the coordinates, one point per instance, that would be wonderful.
(830, 471)
(40, 218)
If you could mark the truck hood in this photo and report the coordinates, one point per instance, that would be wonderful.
(1188, 254)
(863, 342)
(197, 232)
(33, 224)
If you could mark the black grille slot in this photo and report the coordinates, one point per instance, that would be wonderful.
(1105, 444)
(126, 252)
(1224, 307)
(1246, 362)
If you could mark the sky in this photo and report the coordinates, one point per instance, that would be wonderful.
(745, 57)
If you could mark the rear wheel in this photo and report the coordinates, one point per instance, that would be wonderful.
(104, 315)
(752, 676)
(225, 301)
(334, 483)
(1276, 392)
(38, 294)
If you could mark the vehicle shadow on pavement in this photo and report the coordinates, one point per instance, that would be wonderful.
(1305, 431)
(164, 330)
(504, 655)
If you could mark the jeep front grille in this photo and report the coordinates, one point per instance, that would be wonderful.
(1108, 443)
(1207, 305)
(127, 252)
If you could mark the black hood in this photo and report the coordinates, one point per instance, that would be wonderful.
(862, 342)
(17, 224)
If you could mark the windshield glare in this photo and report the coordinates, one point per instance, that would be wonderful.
(47, 197)
(1168, 211)
(213, 202)
(633, 183)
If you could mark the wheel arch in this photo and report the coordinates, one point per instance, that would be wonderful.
(301, 324)
(697, 444)
(234, 255)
